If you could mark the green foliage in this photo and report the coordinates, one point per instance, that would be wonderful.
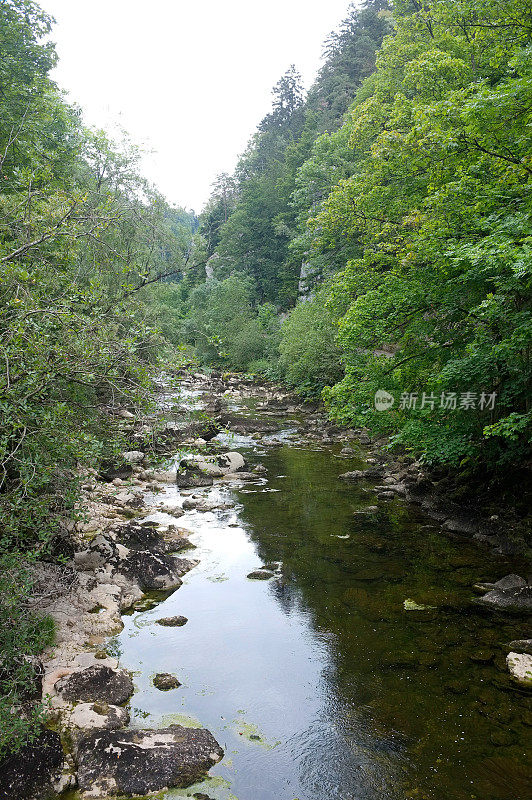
(226, 329)
(416, 204)
(310, 356)
(252, 218)
(439, 201)
(82, 240)
(22, 635)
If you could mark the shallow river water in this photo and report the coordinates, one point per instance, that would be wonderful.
(329, 682)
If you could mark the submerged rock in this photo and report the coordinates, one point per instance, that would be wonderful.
(373, 473)
(521, 646)
(97, 683)
(140, 761)
(164, 681)
(172, 622)
(511, 593)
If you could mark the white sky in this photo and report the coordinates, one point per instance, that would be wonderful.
(188, 79)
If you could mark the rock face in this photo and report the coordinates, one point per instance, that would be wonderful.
(520, 667)
(140, 761)
(34, 770)
(96, 684)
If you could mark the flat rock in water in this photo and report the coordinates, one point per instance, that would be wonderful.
(155, 571)
(192, 479)
(171, 508)
(373, 473)
(96, 684)
(521, 646)
(164, 681)
(520, 667)
(261, 575)
(240, 476)
(513, 598)
(172, 622)
(204, 504)
(140, 761)
(508, 582)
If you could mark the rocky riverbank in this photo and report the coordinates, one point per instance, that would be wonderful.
(119, 560)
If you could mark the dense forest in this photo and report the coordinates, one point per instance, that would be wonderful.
(375, 235)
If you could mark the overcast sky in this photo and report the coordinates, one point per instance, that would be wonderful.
(188, 79)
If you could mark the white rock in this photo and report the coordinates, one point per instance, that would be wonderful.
(134, 456)
(86, 716)
(165, 476)
(520, 667)
(231, 462)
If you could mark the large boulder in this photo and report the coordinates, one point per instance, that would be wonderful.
(205, 465)
(231, 462)
(136, 762)
(191, 476)
(96, 684)
(155, 571)
(143, 536)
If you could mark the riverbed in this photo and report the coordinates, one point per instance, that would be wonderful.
(362, 670)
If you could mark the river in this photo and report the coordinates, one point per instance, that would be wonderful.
(362, 671)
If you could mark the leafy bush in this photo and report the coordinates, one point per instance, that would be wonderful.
(225, 328)
(310, 357)
(22, 635)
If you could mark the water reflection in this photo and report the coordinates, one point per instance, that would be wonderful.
(322, 684)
